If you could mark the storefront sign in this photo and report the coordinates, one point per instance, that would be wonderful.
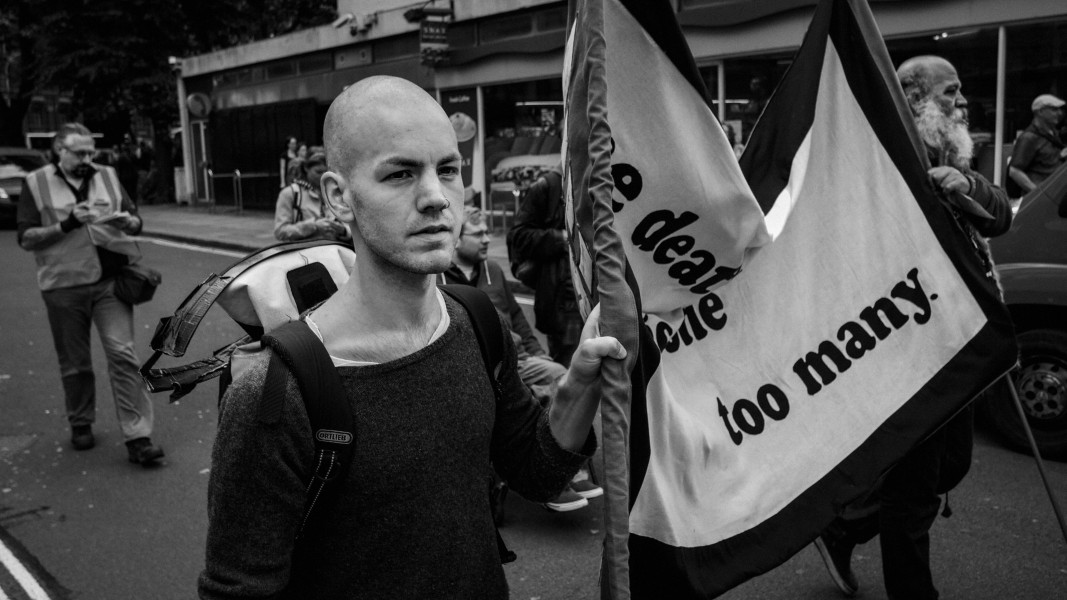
(433, 41)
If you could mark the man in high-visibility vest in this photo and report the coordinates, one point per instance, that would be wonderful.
(75, 216)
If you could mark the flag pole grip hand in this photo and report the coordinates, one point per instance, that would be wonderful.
(571, 414)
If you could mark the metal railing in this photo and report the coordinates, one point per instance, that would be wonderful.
(237, 176)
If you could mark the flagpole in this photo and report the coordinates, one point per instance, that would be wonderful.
(617, 304)
(1037, 455)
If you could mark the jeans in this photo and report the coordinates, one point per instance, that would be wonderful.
(70, 313)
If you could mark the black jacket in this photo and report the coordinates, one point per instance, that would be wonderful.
(538, 232)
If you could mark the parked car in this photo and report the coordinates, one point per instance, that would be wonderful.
(15, 163)
(1032, 263)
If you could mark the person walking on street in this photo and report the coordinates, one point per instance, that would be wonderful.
(540, 232)
(471, 266)
(903, 508)
(300, 213)
(75, 217)
(412, 518)
(1039, 151)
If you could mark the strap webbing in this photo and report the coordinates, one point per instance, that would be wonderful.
(486, 325)
(173, 333)
(298, 350)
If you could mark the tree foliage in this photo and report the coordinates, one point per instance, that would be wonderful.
(112, 55)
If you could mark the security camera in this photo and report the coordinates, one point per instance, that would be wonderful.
(363, 23)
(343, 20)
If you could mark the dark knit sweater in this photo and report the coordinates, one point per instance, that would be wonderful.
(412, 519)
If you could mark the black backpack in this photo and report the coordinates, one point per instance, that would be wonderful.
(297, 350)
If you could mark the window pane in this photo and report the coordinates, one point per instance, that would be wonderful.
(500, 28)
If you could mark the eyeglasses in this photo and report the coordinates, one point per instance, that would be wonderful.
(477, 234)
(82, 154)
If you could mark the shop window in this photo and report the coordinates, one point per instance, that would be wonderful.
(315, 63)
(1036, 64)
(522, 137)
(227, 79)
(748, 85)
(463, 34)
(396, 47)
(278, 70)
(506, 27)
(552, 19)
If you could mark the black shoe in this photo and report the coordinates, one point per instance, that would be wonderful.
(143, 451)
(837, 556)
(81, 437)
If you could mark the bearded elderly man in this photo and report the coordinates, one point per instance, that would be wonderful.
(412, 517)
(902, 510)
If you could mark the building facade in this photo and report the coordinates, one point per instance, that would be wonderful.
(495, 65)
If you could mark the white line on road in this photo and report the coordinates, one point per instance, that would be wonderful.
(184, 246)
(21, 575)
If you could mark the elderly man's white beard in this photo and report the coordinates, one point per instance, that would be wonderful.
(945, 132)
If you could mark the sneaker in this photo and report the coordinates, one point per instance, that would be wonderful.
(143, 451)
(81, 437)
(838, 559)
(586, 489)
(567, 500)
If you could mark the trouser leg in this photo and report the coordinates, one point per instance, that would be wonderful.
(69, 316)
(909, 505)
(114, 322)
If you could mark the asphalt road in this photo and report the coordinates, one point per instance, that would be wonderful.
(89, 525)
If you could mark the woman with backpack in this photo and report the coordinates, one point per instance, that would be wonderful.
(300, 213)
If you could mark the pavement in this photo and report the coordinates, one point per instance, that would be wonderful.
(240, 231)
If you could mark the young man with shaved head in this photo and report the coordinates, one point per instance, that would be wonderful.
(412, 518)
(902, 510)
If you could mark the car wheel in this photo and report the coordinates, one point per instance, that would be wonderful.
(1041, 382)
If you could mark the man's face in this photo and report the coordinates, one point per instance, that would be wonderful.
(1050, 116)
(473, 245)
(75, 153)
(404, 189)
(945, 91)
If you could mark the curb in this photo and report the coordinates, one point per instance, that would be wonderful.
(208, 242)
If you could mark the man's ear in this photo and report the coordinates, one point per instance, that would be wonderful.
(333, 193)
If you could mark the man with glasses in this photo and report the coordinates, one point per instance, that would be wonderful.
(75, 217)
(471, 266)
(1039, 150)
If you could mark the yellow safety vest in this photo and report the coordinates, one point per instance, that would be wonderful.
(73, 260)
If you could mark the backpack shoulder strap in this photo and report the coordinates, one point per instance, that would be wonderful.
(297, 350)
(486, 325)
(491, 343)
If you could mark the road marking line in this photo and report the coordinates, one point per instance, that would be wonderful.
(185, 246)
(21, 575)
(222, 252)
